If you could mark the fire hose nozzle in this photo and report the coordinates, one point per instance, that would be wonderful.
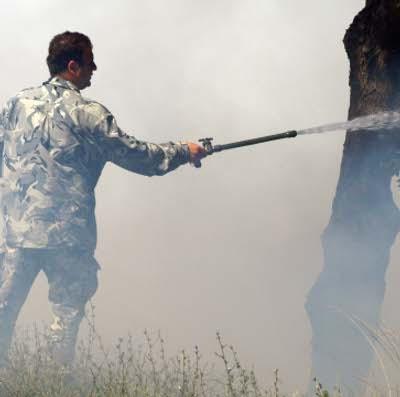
(291, 134)
(207, 145)
(210, 148)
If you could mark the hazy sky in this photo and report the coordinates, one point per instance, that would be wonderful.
(233, 246)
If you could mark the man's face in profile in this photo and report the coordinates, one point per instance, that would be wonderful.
(85, 70)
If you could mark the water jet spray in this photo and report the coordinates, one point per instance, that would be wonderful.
(379, 121)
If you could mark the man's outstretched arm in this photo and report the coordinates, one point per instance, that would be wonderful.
(144, 157)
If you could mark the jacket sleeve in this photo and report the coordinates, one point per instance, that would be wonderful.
(134, 155)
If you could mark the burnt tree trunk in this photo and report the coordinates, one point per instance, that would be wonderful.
(365, 219)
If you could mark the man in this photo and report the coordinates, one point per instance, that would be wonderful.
(56, 144)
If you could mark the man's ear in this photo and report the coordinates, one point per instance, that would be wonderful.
(73, 67)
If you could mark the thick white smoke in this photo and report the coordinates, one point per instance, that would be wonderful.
(233, 246)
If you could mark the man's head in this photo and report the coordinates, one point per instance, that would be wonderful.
(71, 58)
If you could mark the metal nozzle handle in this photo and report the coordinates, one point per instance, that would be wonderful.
(208, 146)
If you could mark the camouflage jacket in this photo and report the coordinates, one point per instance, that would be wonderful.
(55, 145)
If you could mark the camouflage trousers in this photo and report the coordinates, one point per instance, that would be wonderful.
(72, 277)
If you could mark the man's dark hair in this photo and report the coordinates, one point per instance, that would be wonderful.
(65, 47)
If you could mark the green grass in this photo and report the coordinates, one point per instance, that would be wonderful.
(143, 369)
(129, 369)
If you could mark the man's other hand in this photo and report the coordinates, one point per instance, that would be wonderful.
(197, 152)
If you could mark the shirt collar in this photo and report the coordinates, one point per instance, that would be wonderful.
(59, 82)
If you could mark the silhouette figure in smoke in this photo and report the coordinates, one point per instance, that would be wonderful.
(56, 144)
(365, 219)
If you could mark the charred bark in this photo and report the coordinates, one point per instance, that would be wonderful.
(365, 219)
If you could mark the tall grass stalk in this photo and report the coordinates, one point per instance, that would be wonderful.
(131, 368)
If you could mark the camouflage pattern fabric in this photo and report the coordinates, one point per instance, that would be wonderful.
(72, 277)
(56, 144)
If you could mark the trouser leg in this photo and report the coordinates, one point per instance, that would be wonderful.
(18, 271)
(72, 280)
